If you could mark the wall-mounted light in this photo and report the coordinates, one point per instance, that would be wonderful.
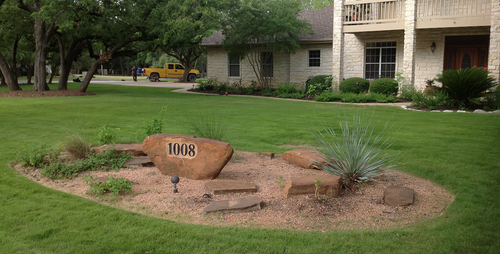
(433, 47)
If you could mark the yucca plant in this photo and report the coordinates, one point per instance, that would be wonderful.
(358, 153)
(465, 85)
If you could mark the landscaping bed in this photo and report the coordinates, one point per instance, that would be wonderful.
(359, 208)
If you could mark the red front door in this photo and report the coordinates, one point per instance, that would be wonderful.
(465, 52)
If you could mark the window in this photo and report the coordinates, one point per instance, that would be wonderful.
(170, 66)
(380, 60)
(234, 66)
(314, 58)
(179, 67)
(266, 59)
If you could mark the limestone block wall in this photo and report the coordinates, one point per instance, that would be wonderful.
(354, 50)
(494, 54)
(218, 68)
(299, 63)
(427, 64)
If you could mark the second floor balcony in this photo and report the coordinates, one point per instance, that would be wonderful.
(383, 15)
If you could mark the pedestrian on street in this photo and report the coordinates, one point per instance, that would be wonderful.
(134, 73)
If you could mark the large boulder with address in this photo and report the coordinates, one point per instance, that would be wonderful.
(303, 158)
(187, 156)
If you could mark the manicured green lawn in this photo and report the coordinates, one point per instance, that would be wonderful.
(460, 152)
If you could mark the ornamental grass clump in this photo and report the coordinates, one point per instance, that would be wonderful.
(358, 153)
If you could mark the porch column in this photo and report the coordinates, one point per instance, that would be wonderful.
(410, 41)
(494, 51)
(338, 42)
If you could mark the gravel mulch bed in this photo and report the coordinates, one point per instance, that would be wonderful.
(361, 208)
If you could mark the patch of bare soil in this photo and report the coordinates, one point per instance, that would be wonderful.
(363, 208)
(52, 93)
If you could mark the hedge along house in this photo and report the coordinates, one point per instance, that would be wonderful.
(313, 58)
(419, 38)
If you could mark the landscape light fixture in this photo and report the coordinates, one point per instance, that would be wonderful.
(433, 47)
(175, 180)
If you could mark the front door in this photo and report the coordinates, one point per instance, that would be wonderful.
(466, 52)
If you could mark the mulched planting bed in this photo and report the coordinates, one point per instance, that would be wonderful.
(53, 93)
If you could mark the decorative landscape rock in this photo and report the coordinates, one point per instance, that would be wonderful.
(398, 196)
(133, 149)
(187, 156)
(246, 204)
(228, 186)
(142, 161)
(305, 185)
(303, 158)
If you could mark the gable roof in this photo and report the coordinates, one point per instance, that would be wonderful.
(321, 23)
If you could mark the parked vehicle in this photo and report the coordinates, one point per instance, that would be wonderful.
(171, 70)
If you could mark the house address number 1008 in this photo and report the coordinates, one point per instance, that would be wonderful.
(181, 150)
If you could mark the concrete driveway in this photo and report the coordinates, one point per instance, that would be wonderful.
(141, 81)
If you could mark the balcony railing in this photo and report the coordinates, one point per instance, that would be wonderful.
(373, 15)
(453, 13)
(382, 15)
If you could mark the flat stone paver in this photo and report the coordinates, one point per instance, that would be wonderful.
(229, 186)
(142, 161)
(240, 205)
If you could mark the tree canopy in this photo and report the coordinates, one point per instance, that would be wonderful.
(255, 25)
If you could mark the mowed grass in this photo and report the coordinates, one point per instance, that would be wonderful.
(459, 152)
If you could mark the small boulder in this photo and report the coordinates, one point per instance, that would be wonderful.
(187, 156)
(303, 158)
(330, 186)
(398, 196)
(267, 155)
(228, 186)
(133, 149)
(246, 204)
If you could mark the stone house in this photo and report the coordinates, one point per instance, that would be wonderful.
(379, 38)
(419, 38)
(314, 57)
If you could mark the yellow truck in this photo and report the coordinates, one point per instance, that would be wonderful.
(171, 70)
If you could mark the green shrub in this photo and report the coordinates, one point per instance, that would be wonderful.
(114, 185)
(221, 86)
(328, 96)
(285, 88)
(208, 85)
(60, 169)
(358, 153)
(77, 146)
(153, 127)
(267, 92)
(465, 85)
(105, 161)
(355, 98)
(354, 85)
(434, 101)
(385, 86)
(382, 98)
(319, 84)
(37, 155)
(296, 95)
(106, 135)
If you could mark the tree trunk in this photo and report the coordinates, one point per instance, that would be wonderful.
(40, 83)
(7, 74)
(29, 74)
(90, 73)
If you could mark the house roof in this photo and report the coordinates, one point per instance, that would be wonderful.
(321, 23)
